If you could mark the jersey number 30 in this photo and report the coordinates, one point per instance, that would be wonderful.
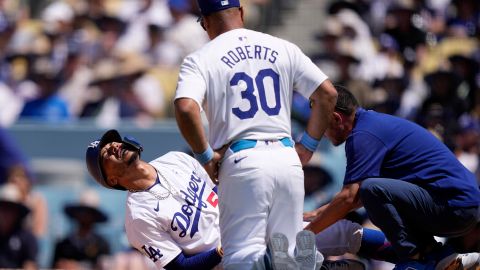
(248, 93)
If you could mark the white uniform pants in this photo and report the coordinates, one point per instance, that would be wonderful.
(261, 192)
(341, 237)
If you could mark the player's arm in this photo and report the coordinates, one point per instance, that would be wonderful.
(322, 101)
(204, 260)
(344, 202)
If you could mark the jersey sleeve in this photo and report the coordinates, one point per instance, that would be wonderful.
(191, 83)
(153, 242)
(365, 154)
(307, 76)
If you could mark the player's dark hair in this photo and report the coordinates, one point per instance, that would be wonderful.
(346, 101)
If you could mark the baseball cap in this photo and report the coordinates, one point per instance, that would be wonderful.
(92, 157)
(210, 6)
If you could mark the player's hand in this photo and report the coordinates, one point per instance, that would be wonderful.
(303, 153)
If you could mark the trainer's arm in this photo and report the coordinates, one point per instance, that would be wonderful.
(344, 202)
(187, 113)
(323, 102)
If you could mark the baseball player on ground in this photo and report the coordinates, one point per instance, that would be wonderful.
(172, 210)
(244, 80)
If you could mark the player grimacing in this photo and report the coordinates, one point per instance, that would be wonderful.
(171, 208)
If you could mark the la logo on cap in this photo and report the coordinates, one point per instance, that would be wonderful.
(224, 3)
(93, 144)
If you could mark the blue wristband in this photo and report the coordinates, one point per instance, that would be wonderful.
(309, 142)
(204, 157)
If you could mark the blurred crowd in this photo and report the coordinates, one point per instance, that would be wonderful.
(100, 59)
(418, 59)
(111, 60)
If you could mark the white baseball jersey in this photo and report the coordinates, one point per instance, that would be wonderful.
(162, 226)
(246, 79)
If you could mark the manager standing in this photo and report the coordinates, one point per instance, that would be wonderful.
(244, 81)
(411, 185)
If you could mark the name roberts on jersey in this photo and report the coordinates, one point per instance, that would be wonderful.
(259, 52)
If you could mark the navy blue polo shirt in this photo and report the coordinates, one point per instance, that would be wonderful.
(385, 146)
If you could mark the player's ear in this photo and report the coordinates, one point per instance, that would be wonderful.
(112, 181)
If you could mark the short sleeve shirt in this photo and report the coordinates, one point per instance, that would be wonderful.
(244, 80)
(385, 146)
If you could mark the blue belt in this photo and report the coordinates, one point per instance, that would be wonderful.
(247, 144)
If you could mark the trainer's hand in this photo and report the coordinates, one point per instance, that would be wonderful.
(309, 216)
(303, 153)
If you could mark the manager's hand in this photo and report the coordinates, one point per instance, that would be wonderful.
(303, 153)
(213, 165)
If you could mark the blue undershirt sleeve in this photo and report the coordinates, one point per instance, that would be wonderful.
(200, 261)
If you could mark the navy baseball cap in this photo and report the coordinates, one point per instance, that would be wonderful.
(210, 6)
(93, 160)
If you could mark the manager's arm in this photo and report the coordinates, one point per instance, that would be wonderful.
(187, 114)
(189, 120)
(322, 101)
(344, 202)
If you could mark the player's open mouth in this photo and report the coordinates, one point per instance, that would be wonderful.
(121, 152)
